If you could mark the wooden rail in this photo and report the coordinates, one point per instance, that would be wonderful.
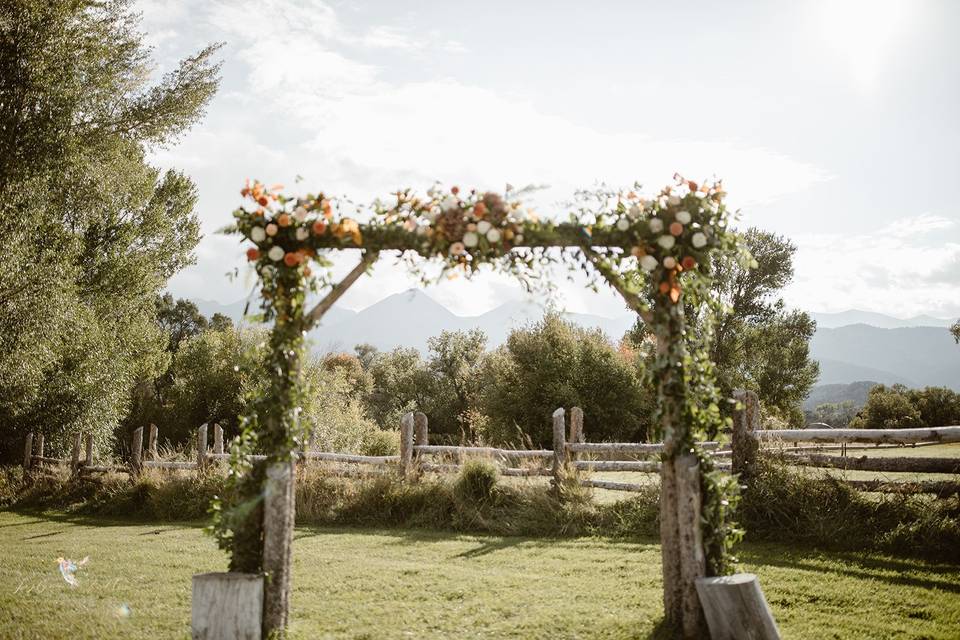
(491, 452)
(886, 436)
(864, 463)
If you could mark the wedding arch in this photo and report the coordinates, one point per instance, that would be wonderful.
(655, 251)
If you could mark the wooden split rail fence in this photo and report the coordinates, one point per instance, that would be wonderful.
(804, 447)
(571, 452)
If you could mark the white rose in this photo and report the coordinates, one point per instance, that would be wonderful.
(623, 224)
(648, 263)
(483, 226)
(470, 239)
(257, 234)
(669, 262)
(699, 240)
(302, 233)
(673, 201)
(666, 242)
(300, 213)
(493, 235)
(518, 239)
(276, 254)
(633, 212)
(656, 225)
(684, 217)
(520, 214)
(450, 203)
(422, 230)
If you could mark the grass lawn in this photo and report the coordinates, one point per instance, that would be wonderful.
(368, 583)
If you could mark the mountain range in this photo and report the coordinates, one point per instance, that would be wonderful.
(851, 346)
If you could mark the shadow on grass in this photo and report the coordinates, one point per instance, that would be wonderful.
(887, 569)
(93, 520)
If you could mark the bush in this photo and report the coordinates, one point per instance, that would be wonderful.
(477, 482)
(380, 442)
(819, 510)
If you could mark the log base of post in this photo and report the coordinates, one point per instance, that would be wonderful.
(735, 608)
(227, 605)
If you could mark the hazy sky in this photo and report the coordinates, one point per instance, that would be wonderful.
(834, 123)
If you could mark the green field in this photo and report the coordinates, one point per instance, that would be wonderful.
(369, 583)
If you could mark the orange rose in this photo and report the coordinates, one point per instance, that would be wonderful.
(454, 190)
(675, 294)
(263, 201)
(688, 263)
(292, 259)
(319, 228)
(283, 220)
(676, 228)
(479, 209)
(253, 254)
(664, 287)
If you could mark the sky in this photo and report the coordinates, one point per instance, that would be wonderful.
(833, 123)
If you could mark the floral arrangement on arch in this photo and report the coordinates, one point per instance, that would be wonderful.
(662, 236)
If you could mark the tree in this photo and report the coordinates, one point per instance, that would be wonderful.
(836, 414)
(455, 362)
(401, 383)
(759, 345)
(180, 320)
(888, 408)
(89, 230)
(557, 364)
(955, 330)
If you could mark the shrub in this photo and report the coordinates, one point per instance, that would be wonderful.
(477, 482)
(380, 442)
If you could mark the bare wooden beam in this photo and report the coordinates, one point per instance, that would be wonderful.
(75, 454)
(136, 445)
(314, 315)
(406, 444)
(152, 443)
(865, 463)
(559, 446)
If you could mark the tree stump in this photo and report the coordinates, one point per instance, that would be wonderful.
(226, 606)
(735, 608)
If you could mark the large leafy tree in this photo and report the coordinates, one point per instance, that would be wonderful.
(89, 230)
(557, 364)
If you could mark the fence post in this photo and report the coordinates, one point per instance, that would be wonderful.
(136, 444)
(202, 447)
(217, 438)
(28, 451)
(559, 446)
(152, 443)
(744, 443)
(75, 454)
(406, 444)
(88, 458)
(38, 445)
(421, 436)
(576, 429)
(278, 515)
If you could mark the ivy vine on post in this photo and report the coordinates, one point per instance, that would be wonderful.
(655, 251)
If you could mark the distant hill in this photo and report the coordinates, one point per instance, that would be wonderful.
(879, 320)
(855, 392)
(915, 356)
(410, 318)
(876, 347)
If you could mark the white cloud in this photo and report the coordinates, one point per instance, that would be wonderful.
(301, 103)
(899, 270)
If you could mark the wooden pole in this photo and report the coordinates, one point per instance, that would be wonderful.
(136, 444)
(745, 445)
(75, 454)
(152, 444)
(559, 446)
(576, 429)
(217, 438)
(38, 445)
(406, 444)
(420, 432)
(28, 452)
(278, 513)
(88, 458)
(693, 565)
(202, 447)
